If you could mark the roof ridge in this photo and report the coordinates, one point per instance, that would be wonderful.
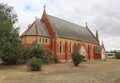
(68, 29)
(65, 20)
(32, 29)
(91, 33)
(29, 27)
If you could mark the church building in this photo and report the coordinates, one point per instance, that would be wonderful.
(63, 38)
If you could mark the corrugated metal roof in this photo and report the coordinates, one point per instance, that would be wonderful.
(70, 30)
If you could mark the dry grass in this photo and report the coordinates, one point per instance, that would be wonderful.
(87, 72)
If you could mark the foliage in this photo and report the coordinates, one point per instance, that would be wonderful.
(34, 64)
(39, 52)
(10, 42)
(55, 58)
(24, 56)
(51, 57)
(117, 53)
(77, 58)
(45, 59)
(47, 51)
(36, 51)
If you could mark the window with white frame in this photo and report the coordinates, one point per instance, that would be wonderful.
(91, 50)
(60, 47)
(40, 40)
(45, 40)
(70, 47)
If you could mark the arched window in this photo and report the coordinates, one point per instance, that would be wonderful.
(70, 47)
(60, 46)
(91, 50)
(45, 40)
(40, 40)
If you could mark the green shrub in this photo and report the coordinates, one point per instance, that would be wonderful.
(10, 58)
(35, 51)
(45, 59)
(34, 64)
(10, 55)
(11, 52)
(77, 58)
(51, 58)
(117, 55)
(24, 56)
(55, 59)
(47, 51)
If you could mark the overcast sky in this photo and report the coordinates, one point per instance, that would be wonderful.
(101, 15)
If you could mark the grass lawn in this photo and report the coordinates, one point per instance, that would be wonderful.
(87, 72)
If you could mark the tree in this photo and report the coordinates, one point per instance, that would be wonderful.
(35, 51)
(117, 55)
(10, 42)
(40, 52)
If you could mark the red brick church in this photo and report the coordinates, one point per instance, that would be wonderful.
(63, 38)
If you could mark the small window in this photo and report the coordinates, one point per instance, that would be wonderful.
(60, 46)
(70, 47)
(46, 41)
(91, 50)
(43, 40)
(40, 40)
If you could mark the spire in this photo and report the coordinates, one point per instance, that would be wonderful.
(103, 45)
(44, 6)
(92, 33)
(44, 14)
(44, 9)
(97, 36)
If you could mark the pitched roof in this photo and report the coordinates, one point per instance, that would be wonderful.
(70, 30)
(41, 29)
(62, 28)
